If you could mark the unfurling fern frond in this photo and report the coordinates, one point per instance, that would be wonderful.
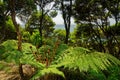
(85, 59)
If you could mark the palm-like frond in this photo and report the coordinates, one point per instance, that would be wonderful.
(29, 59)
(85, 59)
(10, 52)
(51, 70)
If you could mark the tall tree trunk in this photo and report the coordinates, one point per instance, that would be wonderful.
(40, 28)
(41, 24)
(13, 16)
(66, 13)
(67, 36)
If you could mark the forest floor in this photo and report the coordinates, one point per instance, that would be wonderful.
(10, 71)
(8, 76)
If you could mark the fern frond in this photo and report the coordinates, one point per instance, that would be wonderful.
(26, 48)
(29, 59)
(85, 59)
(46, 71)
(10, 45)
(41, 68)
(11, 53)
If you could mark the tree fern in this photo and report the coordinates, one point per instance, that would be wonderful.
(41, 68)
(11, 54)
(72, 58)
(10, 45)
(85, 59)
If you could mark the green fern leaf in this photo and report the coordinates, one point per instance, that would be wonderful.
(29, 59)
(85, 59)
(45, 71)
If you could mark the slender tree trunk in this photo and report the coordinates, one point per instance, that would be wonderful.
(13, 16)
(66, 13)
(40, 30)
(2, 33)
(67, 37)
(41, 27)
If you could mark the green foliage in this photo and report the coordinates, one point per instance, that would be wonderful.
(41, 69)
(46, 71)
(29, 59)
(44, 49)
(111, 74)
(26, 48)
(92, 75)
(100, 34)
(60, 50)
(10, 52)
(60, 34)
(25, 8)
(10, 45)
(53, 14)
(72, 58)
(85, 59)
(2, 49)
(114, 73)
(7, 48)
(26, 36)
(82, 29)
(7, 28)
(34, 23)
(9, 24)
(35, 38)
(49, 41)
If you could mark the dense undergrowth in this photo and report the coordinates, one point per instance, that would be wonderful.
(71, 63)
